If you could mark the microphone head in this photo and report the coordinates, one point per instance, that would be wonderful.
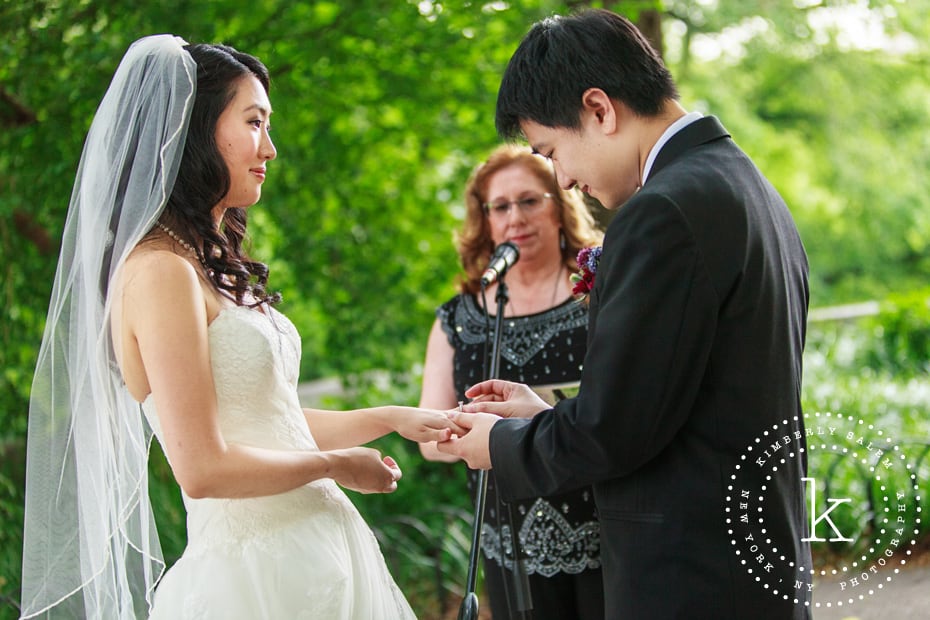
(504, 257)
(509, 251)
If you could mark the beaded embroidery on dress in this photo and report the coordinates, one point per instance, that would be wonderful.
(526, 335)
(548, 540)
(557, 534)
(302, 554)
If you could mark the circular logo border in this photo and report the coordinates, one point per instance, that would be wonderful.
(757, 552)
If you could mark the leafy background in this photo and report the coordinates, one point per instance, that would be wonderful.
(381, 111)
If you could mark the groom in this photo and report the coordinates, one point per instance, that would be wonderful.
(697, 326)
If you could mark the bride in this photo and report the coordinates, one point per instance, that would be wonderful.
(159, 322)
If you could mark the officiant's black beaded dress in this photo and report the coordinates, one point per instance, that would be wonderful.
(558, 535)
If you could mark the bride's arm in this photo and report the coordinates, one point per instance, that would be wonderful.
(163, 311)
(426, 424)
(341, 429)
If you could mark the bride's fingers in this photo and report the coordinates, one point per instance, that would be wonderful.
(435, 430)
(465, 421)
(442, 421)
(453, 427)
(449, 433)
(448, 422)
(394, 467)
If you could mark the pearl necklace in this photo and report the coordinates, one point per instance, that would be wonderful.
(184, 244)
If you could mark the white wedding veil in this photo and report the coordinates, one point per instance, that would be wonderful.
(90, 545)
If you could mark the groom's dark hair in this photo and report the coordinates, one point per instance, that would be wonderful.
(562, 57)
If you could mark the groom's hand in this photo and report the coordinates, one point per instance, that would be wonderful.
(504, 398)
(472, 447)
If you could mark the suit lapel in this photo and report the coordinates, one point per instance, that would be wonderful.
(699, 132)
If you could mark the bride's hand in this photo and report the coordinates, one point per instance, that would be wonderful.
(422, 425)
(363, 470)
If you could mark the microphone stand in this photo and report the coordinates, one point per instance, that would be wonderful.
(469, 607)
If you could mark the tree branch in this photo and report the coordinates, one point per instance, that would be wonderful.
(14, 111)
(30, 229)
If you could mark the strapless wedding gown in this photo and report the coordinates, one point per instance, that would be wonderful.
(302, 554)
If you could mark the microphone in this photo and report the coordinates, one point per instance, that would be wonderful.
(504, 257)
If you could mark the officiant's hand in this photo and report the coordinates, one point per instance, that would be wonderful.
(363, 470)
(424, 424)
(504, 398)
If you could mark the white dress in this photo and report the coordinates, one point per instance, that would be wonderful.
(306, 553)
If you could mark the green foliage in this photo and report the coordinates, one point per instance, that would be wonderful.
(11, 519)
(837, 123)
(853, 385)
(165, 496)
(381, 111)
(900, 335)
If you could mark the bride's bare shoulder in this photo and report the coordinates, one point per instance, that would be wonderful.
(154, 255)
(151, 269)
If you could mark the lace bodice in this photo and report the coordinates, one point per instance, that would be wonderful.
(255, 358)
(304, 553)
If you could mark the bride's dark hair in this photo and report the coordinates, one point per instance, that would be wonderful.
(203, 178)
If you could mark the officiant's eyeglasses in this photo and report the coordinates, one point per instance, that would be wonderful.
(529, 204)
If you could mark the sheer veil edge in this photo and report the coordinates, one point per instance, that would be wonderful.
(90, 546)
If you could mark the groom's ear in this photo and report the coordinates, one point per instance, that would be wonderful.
(599, 110)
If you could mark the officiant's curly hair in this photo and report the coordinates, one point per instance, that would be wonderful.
(473, 240)
(562, 57)
(203, 178)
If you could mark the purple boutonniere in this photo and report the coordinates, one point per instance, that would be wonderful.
(587, 264)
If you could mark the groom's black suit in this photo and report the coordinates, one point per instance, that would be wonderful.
(697, 326)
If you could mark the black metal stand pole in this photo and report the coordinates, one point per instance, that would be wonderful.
(469, 607)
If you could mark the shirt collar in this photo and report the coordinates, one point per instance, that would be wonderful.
(672, 129)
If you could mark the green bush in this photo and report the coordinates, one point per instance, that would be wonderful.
(900, 335)
(12, 484)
